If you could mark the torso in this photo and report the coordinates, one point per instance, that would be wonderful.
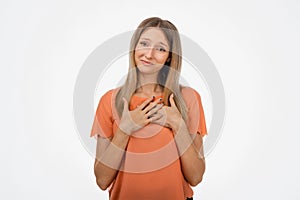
(151, 168)
(147, 95)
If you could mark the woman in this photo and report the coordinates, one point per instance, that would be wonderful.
(154, 150)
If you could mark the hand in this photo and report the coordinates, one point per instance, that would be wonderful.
(168, 116)
(141, 116)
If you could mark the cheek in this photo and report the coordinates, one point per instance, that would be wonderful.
(137, 53)
(162, 59)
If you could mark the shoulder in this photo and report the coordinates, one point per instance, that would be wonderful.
(189, 93)
(191, 97)
(109, 94)
(186, 89)
(107, 100)
(106, 104)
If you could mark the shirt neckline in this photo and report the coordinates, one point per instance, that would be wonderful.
(145, 97)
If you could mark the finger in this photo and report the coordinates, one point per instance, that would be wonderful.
(156, 118)
(145, 103)
(172, 100)
(154, 110)
(152, 105)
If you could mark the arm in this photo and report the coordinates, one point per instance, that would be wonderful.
(190, 149)
(110, 152)
(109, 156)
(191, 153)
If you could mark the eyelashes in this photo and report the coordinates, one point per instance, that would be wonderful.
(146, 44)
(161, 49)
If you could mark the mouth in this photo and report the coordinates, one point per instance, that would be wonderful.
(146, 62)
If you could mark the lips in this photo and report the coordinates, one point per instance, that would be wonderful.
(146, 62)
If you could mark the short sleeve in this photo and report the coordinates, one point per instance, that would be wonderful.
(103, 120)
(196, 118)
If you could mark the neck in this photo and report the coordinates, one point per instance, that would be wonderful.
(148, 84)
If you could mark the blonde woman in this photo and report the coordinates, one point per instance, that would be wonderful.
(149, 131)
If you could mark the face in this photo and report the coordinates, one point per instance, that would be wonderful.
(152, 51)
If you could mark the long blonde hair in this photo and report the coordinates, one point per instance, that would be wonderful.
(168, 77)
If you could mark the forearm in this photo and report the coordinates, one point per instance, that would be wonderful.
(109, 158)
(191, 156)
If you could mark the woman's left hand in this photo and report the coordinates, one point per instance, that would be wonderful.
(169, 116)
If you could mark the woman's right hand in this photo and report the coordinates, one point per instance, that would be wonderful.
(139, 117)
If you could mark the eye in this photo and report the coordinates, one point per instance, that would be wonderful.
(143, 43)
(161, 49)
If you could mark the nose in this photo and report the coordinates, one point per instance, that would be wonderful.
(149, 52)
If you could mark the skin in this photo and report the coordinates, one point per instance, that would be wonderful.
(150, 54)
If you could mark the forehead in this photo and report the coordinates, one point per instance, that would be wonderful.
(155, 35)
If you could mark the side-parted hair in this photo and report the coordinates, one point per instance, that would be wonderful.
(168, 76)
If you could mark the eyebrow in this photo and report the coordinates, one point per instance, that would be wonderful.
(159, 42)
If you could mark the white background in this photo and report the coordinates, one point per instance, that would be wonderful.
(254, 45)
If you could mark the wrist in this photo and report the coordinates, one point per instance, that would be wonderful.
(125, 129)
(121, 135)
(176, 124)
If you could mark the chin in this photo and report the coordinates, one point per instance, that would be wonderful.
(149, 68)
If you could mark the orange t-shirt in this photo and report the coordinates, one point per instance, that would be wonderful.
(151, 167)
